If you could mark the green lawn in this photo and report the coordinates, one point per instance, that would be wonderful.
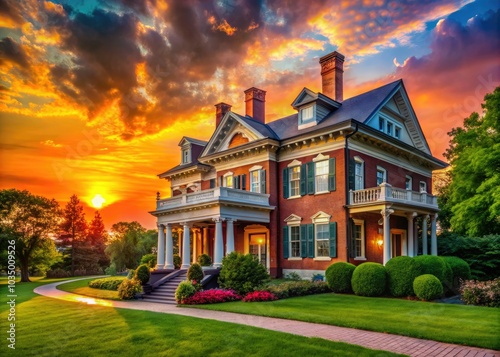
(82, 287)
(50, 327)
(460, 324)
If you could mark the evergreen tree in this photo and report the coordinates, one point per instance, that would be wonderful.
(75, 224)
(96, 238)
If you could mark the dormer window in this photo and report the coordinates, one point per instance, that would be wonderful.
(186, 157)
(307, 114)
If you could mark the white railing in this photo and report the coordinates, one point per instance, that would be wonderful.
(212, 195)
(387, 193)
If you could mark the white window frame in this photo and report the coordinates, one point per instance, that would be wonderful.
(359, 180)
(308, 119)
(397, 132)
(381, 124)
(409, 180)
(226, 177)
(389, 128)
(319, 219)
(290, 241)
(255, 182)
(384, 174)
(422, 186)
(186, 155)
(294, 180)
(359, 223)
(323, 176)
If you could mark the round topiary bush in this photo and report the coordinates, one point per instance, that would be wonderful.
(195, 273)
(242, 273)
(369, 279)
(427, 287)
(432, 264)
(460, 269)
(205, 260)
(177, 261)
(149, 260)
(184, 291)
(338, 277)
(142, 274)
(401, 272)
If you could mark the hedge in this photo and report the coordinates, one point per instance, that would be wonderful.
(369, 279)
(338, 277)
(401, 272)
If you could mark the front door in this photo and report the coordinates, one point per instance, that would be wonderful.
(258, 247)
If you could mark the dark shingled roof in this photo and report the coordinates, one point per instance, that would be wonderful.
(360, 108)
(264, 129)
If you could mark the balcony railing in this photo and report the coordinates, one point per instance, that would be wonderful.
(387, 193)
(213, 195)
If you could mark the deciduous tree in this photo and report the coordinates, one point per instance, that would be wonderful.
(29, 220)
(473, 194)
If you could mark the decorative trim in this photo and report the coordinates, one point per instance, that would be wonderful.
(321, 217)
(293, 219)
(254, 168)
(229, 173)
(321, 157)
(294, 163)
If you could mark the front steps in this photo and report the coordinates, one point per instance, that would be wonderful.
(165, 293)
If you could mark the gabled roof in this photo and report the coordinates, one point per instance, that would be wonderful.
(307, 96)
(360, 107)
(192, 141)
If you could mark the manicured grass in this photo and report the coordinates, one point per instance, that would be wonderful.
(460, 324)
(50, 327)
(82, 287)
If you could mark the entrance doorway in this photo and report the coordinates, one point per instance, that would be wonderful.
(398, 243)
(258, 247)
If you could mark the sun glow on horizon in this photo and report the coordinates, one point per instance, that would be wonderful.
(98, 201)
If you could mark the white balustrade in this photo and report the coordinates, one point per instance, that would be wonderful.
(387, 193)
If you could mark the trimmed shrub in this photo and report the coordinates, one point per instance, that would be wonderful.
(369, 279)
(460, 269)
(142, 274)
(401, 272)
(432, 264)
(184, 290)
(212, 296)
(259, 295)
(242, 273)
(130, 274)
(128, 288)
(483, 293)
(204, 260)
(177, 261)
(427, 287)
(298, 288)
(338, 277)
(149, 260)
(293, 276)
(111, 283)
(195, 273)
(111, 270)
(58, 273)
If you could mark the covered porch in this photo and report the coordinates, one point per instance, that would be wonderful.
(215, 222)
(392, 218)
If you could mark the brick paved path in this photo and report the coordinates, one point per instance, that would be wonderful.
(375, 340)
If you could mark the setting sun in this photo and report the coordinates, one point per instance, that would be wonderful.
(97, 201)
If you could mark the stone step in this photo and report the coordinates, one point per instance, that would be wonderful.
(165, 293)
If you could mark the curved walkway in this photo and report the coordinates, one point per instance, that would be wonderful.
(374, 340)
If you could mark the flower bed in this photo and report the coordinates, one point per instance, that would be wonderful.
(483, 293)
(212, 296)
(260, 295)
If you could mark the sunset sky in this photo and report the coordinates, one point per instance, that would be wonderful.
(95, 95)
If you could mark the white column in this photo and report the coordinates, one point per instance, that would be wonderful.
(410, 235)
(160, 251)
(195, 245)
(434, 245)
(169, 248)
(415, 236)
(205, 240)
(179, 241)
(424, 234)
(186, 254)
(229, 236)
(387, 234)
(219, 243)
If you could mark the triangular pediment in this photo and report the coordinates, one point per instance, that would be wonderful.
(306, 96)
(397, 109)
(232, 130)
(293, 218)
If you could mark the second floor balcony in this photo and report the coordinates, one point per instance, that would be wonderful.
(385, 193)
(218, 195)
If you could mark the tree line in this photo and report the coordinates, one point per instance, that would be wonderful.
(50, 238)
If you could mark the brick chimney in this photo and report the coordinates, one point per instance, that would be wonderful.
(220, 110)
(255, 104)
(332, 75)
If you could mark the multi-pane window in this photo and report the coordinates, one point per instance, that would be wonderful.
(295, 241)
(381, 124)
(381, 175)
(423, 186)
(389, 128)
(307, 114)
(359, 240)
(255, 181)
(358, 175)
(397, 132)
(322, 240)
(408, 182)
(294, 176)
(185, 156)
(321, 172)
